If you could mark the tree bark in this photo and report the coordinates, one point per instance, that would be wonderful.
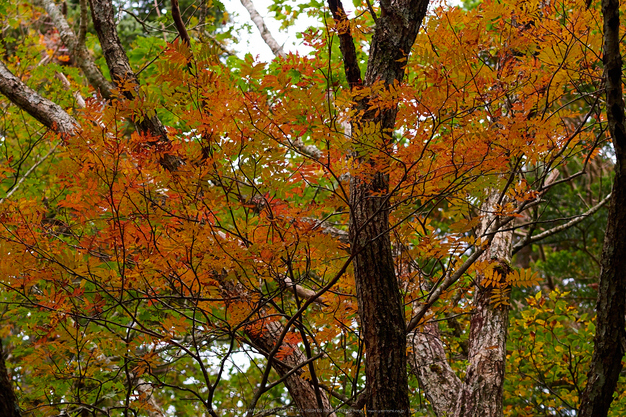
(266, 35)
(8, 401)
(429, 364)
(610, 339)
(302, 392)
(45, 111)
(481, 393)
(122, 74)
(77, 50)
(381, 312)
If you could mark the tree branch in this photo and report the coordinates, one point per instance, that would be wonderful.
(178, 22)
(429, 364)
(346, 43)
(277, 50)
(45, 111)
(77, 49)
(528, 240)
(30, 171)
(122, 74)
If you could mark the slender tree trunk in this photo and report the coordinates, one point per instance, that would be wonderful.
(306, 398)
(103, 17)
(429, 364)
(8, 401)
(381, 312)
(480, 393)
(610, 339)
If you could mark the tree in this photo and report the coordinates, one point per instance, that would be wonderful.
(341, 230)
(610, 339)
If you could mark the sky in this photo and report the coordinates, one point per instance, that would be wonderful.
(253, 43)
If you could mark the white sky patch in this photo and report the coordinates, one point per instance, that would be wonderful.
(253, 43)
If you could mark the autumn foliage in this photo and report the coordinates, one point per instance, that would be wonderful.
(131, 287)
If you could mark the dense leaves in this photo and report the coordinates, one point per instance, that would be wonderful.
(133, 288)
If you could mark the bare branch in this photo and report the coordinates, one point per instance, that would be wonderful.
(84, 16)
(30, 171)
(429, 364)
(328, 229)
(45, 111)
(80, 101)
(346, 43)
(178, 22)
(77, 49)
(528, 240)
(308, 150)
(277, 50)
(121, 72)
(102, 14)
(447, 282)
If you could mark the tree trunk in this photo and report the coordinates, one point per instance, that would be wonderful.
(481, 393)
(103, 17)
(381, 312)
(8, 402)
(380, 306)
(78, 51)
(610, 339)
(429, 364)
(303, 393)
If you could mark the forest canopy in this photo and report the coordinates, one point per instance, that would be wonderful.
(423, 215)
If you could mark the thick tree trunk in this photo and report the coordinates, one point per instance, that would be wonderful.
(480, 393)
(380, 306)
(610, 339)
(8, 402)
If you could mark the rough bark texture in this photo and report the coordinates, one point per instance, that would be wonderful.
(383, 325)
(8, 402)
(77, 50)
(429, 364)
(304, 395)
(121, 72)
(481, 392)
(45, 111)
(610, 339)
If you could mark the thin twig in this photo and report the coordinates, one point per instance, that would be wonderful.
(30, 171)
